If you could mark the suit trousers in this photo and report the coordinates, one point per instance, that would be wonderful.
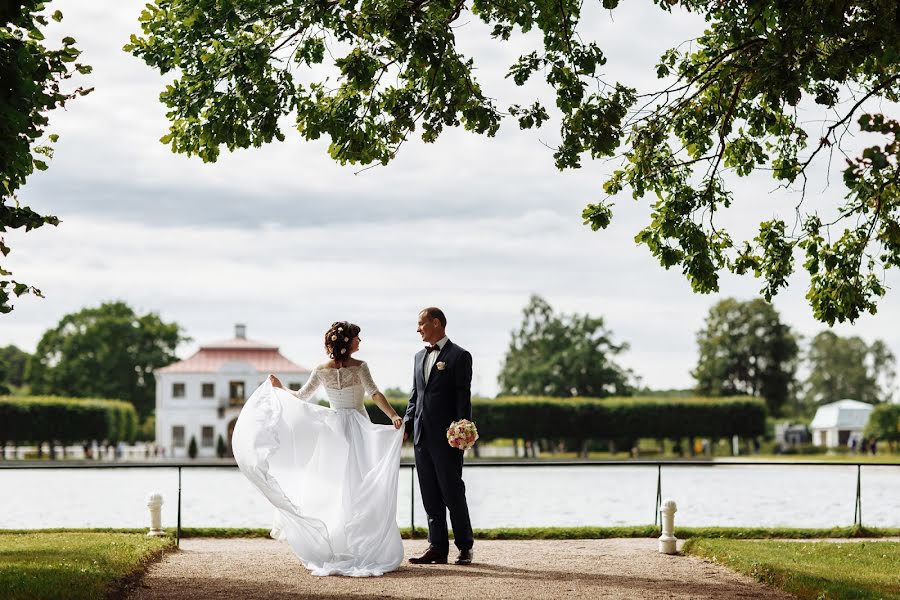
(440, 480)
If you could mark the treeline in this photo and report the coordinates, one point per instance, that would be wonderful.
(39, 419)
(744, 349)
(108, 351)
(594, 419)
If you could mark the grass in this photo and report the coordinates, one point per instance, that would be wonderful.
(540, 533)
(814, 570)
(74, 565)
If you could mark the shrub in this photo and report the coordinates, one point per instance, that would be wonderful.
(36, 419)
(884, 423)
(610, 418)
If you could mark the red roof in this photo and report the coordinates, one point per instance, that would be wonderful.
(265, 358)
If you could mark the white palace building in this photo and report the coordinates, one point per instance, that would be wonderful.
(202, 396)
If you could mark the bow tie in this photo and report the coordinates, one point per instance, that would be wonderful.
(431, 348)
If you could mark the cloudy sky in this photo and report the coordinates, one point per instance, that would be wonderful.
(286, 241)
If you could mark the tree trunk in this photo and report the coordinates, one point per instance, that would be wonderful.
(583, 452)
(476, 450)
(52, 445)
(691, 442)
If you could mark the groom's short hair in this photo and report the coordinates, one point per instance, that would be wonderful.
(433, 312)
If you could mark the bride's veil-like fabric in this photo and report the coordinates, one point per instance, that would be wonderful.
(332, 476)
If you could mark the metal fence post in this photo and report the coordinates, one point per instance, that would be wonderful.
(656, 516)
(178, 528)
(412, 501)
(857, 506)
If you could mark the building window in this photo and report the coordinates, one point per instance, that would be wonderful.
(295, 385)
(236, 392)
(178, 390)
(178, 436)
(208, 390)
(206, 436)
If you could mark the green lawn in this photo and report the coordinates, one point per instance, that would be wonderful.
(74, 565)
(816, 570)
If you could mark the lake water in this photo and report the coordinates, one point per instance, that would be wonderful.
(765, 496)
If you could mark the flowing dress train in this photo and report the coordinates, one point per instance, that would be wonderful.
(330, 473)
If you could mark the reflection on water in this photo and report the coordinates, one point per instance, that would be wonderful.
(765, 496)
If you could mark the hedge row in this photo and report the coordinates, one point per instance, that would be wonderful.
(610, 418)
(35, 419)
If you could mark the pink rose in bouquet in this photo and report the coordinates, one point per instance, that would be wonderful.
(462, 434)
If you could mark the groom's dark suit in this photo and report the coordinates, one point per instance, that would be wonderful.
(446, 397)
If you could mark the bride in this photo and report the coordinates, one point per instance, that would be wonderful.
(330, 472)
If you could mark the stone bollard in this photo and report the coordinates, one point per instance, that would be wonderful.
(667, 540)
(154, 503)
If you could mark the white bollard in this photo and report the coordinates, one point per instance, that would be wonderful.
(154, 503)
(667, 540)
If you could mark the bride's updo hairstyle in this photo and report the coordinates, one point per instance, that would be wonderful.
(339, 338)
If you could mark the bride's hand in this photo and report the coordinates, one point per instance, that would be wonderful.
(398, 422)
(275, 381)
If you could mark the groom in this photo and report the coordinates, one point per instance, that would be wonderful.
(441, 394)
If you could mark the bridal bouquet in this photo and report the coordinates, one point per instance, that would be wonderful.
(462, 434)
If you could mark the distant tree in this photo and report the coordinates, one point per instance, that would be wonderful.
(744, 348)
(192, 448)
(147, 429)
(847, 367)
(396, 392)
(563, 355)
(884, 424)
(105, 352)
(221, 449)
(12, 368)
(31, 78)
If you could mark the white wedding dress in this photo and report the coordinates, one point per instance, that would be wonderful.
(330, 472)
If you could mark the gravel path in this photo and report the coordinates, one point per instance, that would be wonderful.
(615, 568)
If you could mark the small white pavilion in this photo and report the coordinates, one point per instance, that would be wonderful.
(839, 423)
(201, 396)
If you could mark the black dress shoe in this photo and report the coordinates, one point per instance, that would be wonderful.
(432, 556)
(465, 557)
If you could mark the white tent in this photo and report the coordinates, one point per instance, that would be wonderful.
(839, 423)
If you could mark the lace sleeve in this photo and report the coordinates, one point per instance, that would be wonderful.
(309, 388)
(367, 381)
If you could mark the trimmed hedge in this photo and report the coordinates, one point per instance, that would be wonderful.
(35, 419)
(610, 418)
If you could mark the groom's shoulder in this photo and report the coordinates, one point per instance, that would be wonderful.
(459, 349)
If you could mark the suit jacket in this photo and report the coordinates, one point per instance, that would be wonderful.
(447, 396)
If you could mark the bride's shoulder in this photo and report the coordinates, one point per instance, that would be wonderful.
(353, 362)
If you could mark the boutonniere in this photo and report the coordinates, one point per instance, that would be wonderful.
(441, 366)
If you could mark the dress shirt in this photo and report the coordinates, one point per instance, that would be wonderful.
(431, 357)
